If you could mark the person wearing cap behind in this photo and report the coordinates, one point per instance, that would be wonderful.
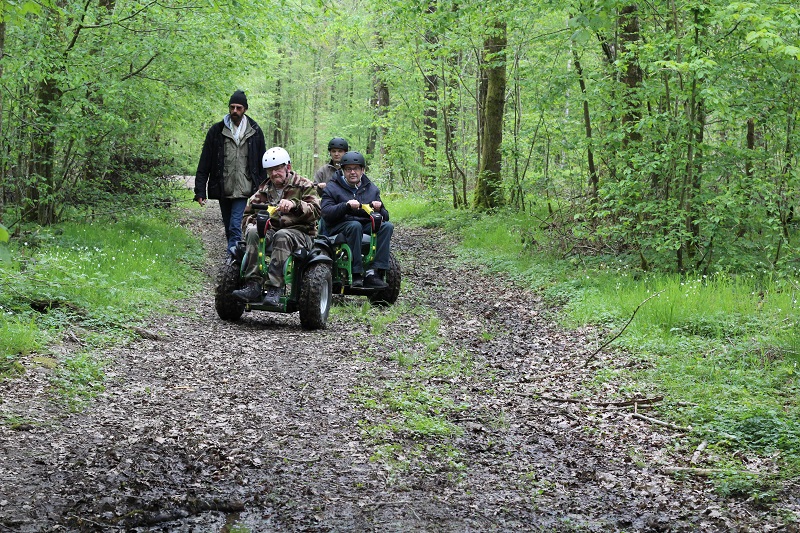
(291, 227)
(230, 165)
(342, 213)
(336, 149)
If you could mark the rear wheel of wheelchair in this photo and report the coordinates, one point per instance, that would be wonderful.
(394, 277)
(228, 306)
(316, 292)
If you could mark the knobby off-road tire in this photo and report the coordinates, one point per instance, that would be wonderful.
(228, 306)
(316, 293)
(389, 295)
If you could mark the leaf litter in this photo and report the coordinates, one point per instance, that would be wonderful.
(489, 423)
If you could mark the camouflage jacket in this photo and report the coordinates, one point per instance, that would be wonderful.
(300, 191)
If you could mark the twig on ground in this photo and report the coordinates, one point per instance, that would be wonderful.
(146, 334)
(296, 460)
(698, 451)
(624, 403)
(704, 471)
(661, 422)
(615, 337)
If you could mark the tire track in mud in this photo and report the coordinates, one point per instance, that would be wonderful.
(263, 425)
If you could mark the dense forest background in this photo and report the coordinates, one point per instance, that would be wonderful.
(663, 131)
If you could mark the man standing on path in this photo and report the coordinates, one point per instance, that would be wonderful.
(230, 165)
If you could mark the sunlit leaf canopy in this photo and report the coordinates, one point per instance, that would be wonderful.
(665, 131)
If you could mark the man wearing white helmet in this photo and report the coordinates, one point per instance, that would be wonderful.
(291, 227)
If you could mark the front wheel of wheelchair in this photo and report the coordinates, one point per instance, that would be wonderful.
(316, 291)
(394, 277)
(227, 305)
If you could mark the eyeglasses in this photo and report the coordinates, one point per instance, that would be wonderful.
(356, 169)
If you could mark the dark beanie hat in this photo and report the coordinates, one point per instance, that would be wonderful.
(238, 98)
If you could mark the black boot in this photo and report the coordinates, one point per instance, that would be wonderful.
(358, 280)
(251, 292)
(273, 296)
(372, 281)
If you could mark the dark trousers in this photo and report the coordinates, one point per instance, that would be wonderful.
(232, 213)
(354, 231)
(284, 242)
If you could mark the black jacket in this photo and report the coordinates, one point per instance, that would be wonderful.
(212, 160)
(338, 192)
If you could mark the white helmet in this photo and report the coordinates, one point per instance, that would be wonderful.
(275, 157)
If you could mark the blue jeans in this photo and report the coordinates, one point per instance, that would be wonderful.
(354, 231)
(232, 213)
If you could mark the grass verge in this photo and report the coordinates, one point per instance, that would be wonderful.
(722, 349)
(90, 286)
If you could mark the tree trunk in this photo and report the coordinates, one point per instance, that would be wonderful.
(587, 123)
(3, 145)
(42, 190)
(488, 191)
(315, 109)
(276, 133)
(429, 123)
(380, 107)
(632, 75)
(431, 113)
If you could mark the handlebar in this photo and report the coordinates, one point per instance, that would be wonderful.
(271, 209)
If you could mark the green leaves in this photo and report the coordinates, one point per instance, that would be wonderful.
(4, 255)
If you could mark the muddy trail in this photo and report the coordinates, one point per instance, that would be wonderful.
(446, 412)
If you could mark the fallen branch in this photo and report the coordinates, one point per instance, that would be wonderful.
(661, 422)
(140, 518)
(292, 459)
(615, 337)
(698, 451)
(145, 333)
(624, 403)
(704, 471)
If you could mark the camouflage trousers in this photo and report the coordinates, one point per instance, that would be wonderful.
(283, 242)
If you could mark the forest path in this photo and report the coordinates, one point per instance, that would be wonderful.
(262, 425)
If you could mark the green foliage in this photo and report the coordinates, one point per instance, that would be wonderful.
(723, 349)
(745, 486)
(79, 379)
(4, 255)
(17, 337)
(94, 281)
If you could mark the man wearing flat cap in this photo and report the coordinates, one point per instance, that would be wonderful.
(230, 165)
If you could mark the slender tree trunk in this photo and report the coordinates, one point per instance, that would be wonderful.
(380, 106)
(449, 119)
(489, 192)
(751, 146)
(632, 75)
(315, 109)
(278, 114)
(787, 211)
(42, 190)
(429, 126)
(480, 109)
(587, 123)
(3, 144)
(431, 113)
(693, 171)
